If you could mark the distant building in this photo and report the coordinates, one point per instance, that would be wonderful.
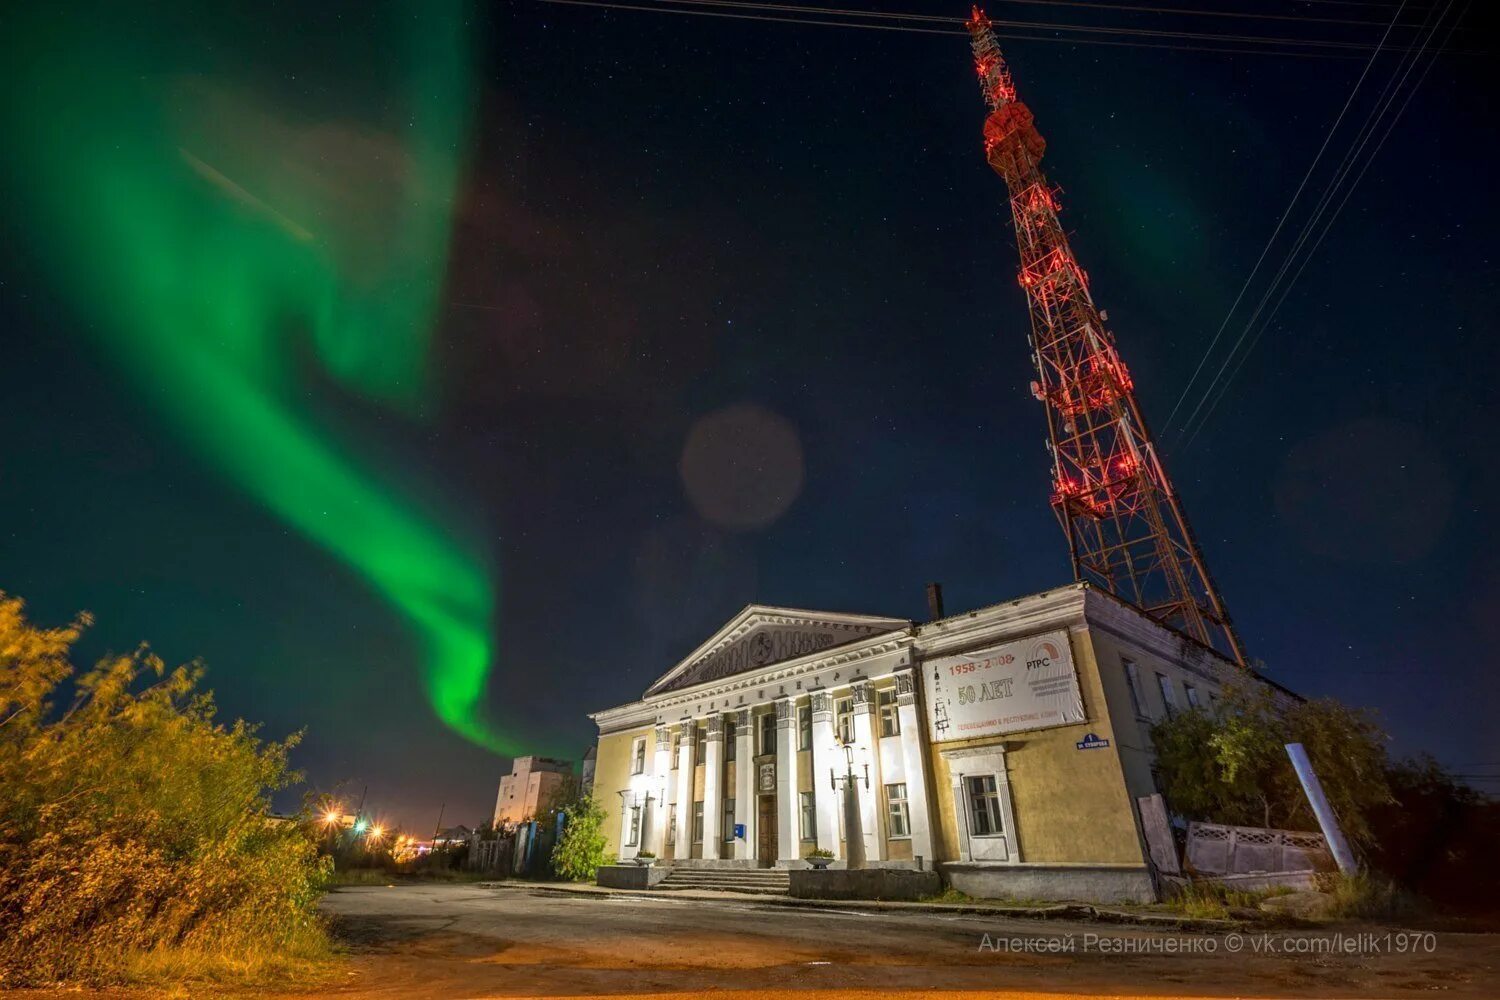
(528, 787)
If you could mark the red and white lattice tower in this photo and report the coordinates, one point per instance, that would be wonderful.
(1124, 523)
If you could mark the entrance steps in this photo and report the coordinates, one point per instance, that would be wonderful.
(758, 881)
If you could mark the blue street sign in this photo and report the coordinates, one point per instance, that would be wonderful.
(739, 831)
(1092, 742)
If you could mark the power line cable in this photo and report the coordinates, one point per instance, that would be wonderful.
(1166, 425)
(1348, 192)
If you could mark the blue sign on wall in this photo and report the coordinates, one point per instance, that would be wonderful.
(739, 831)
(1092, 742)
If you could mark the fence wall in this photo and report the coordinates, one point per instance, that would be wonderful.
(1214, 849)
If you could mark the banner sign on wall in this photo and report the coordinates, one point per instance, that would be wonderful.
(1025, 684)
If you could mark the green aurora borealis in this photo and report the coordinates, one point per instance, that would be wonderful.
(233, 232)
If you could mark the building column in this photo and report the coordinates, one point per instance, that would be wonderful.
(713, 783)
(685, 791)
(827, 759)
(788, 846)
(916, 772)
(745, 801)
(865, 745)
(661, 774)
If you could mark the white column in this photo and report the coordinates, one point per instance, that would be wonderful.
(866, 750)
(744, 783)
(661, 774)
(685, 791)
(916, 773)
(713, 784)
(788, 847)
(826, 758)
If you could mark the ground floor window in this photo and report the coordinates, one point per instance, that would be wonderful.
(809, 816)
(984, 805)
(728, 819)
(672, 823)
(698, 822)
(898, 816)
(633, 835)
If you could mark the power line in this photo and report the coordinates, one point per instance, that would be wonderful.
(1332, 191)
(1279, 223)
(774, 13)
(761, 5)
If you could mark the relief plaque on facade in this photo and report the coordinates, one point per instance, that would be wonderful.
(764, 644)
(766, 783)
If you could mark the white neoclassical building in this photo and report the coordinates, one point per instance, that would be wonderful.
(1007, 745)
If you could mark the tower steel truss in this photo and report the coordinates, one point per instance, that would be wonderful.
(1124, 523)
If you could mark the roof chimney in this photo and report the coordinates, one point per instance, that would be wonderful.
(935, 601)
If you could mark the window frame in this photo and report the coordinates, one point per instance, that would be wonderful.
(1168, 694)
(638, 756)
(985, 803)
(890, 712)
(727, 821)
(729, 741)
(676, 750)
(897, 812)
(671, 824)
(804, 727)
(1133, 685)
(843, 719)
(633, 827)
(807, 816)
(698, 821)
(1193, 700)
(768, 732)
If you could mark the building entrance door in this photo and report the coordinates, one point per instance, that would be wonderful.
(765, 832)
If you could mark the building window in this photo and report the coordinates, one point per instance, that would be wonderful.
(984, 806)
(633, 837)
(728, 822)
(890, 718)
(729, 740)
(896, 810)
(676, 747)
(698, 822)
(1192, 695)
(1167, 697)
(1133, 681)
(768, 733)
(804, 728)
(809, 816)
(844, 719)
(672, 823)
(638, 756)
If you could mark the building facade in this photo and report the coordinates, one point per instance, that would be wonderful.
(1007, 745)
(528, 787)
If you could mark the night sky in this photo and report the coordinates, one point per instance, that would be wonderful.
(730, 315)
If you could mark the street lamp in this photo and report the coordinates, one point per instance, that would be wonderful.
(854, 835)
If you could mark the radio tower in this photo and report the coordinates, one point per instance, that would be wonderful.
(1124, 523)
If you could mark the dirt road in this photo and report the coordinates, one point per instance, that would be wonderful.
(465, 941)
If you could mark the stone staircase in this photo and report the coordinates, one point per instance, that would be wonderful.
(759, 881)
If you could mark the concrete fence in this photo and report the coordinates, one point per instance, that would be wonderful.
(1215, 849)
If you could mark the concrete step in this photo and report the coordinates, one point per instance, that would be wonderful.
(760, 881)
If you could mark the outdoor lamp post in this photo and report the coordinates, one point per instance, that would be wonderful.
(854, 834)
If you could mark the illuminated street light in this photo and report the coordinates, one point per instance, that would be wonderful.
(376, 832)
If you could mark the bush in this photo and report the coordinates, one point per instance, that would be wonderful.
(580, 849)
(135, 831)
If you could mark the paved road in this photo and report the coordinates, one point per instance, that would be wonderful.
(441, 941)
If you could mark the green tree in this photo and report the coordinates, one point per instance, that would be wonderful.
(132, 823)
(580, 849)
(1229, 764)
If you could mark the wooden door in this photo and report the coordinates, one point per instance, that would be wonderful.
(765, 831)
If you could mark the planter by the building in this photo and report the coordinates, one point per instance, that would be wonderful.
(632, 876)
(864, 883)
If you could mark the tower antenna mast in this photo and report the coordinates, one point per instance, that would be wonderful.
(1124, 522)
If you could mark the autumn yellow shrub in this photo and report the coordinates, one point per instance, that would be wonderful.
(135, 829)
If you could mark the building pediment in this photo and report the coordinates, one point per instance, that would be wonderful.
(760, 636)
